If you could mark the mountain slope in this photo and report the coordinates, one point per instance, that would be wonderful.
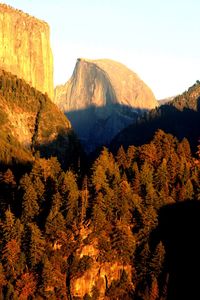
(101, 98)
(181, 117)
(29, 121)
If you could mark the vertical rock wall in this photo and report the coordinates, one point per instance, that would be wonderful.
(25, 48)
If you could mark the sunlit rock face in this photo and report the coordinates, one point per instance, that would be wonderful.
(25, 48)
(101, 98)
(100, 274)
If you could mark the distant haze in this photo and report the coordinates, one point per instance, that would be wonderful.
(156, 39)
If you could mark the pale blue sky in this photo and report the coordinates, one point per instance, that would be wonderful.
(157, 39)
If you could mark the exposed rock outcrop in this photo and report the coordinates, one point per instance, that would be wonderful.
(98, 275)
(25, 48)
(101, 98)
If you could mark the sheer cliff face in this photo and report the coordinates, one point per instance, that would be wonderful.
(25, 48)
(101, 98)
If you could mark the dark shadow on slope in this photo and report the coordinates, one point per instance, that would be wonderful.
(178, 228)
(97, 126)
(66, 147)
(180, 123)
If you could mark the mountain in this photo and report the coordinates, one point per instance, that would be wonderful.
(29, 121)
(166, 100)
(180, 117)
(25, 48)
(101, 98)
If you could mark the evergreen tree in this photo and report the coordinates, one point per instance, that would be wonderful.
(136, 178)
(99, 213)
(26, 286)
(122, 158)
(55, 222)
(131, 154)
(70, 195)
(36, 245)
(3, 281)
(8, 226)
(11, 254)
(84, 199)
(30, 207)
(157, 260)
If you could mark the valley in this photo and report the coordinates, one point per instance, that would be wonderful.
(99, 184)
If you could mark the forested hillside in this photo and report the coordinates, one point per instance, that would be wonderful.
(29, 122)
(63, 234)
(180, 117)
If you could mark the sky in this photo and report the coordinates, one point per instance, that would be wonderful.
(157, 39)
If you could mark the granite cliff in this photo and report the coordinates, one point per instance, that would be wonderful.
(101, 98)
(25, 48)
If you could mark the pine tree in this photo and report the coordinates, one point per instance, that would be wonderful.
(48, 283)
(156, 262)
(124, 201)
(8, 190)
(84, 199)
(39, 188)
(142, 262)
(154, 290)
(105, 172)
(11, 254)
(161, 176)
(70, 195)
(148, 153)
(131, 153)
(8, 226)
(30, 207)
(99, 213)
(122, 158)
(55, 222)
(3, 281)
(54, 278)
(136, 178)
(184, 150)
(26, 286)
(123, 242)
(36, 244)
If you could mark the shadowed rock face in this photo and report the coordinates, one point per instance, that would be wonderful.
(101, 98)
(25, 48)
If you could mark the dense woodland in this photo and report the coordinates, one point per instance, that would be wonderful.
(119, 200)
